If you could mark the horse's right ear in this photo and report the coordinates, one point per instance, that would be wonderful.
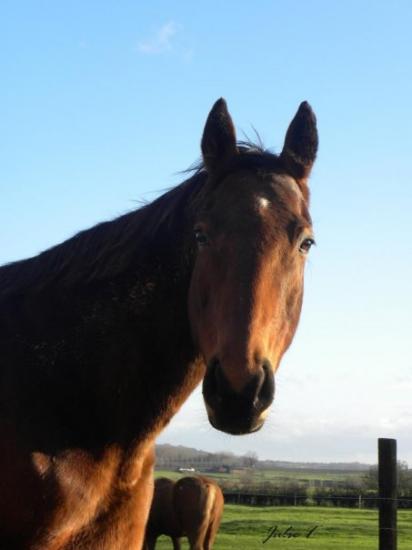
(219, 138)
(301, 144)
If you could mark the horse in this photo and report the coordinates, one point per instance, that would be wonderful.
(104, 336)
(191, 507)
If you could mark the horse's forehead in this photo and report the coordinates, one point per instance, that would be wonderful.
(281, 189)
(287, 186)
(278, 184)
(278, 191)
(262, 194)
(279, 200)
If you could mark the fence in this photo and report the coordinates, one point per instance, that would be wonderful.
(386, 500)
(342, 501)
(388, 486)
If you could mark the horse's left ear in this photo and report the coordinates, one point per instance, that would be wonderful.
(301, 144)
(219, 138)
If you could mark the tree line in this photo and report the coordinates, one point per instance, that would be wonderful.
(361, 492)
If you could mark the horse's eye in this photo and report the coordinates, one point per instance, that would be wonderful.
(201, 237)
(306, 245)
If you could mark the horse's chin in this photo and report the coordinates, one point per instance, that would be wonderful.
(234, 428)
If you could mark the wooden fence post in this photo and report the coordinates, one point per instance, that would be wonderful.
(388, 492)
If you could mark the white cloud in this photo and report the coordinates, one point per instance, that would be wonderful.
(300, 433)
(161, 41)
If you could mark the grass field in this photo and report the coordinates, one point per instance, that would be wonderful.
(245, 528)
(274, 476)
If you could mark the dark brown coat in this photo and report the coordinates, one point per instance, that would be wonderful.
(103, 337)
(191, 507)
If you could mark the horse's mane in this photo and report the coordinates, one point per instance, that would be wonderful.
(109, 247)
(101, 251)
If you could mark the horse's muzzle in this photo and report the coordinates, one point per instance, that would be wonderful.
(238, 412)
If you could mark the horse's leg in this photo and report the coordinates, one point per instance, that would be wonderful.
(211, 533)
(131, 513)
(176, 543)
(123, 524)
(196, 539)
(208, 538)
(141, 506)
(214, 520)
(150, 542)
(202, 536)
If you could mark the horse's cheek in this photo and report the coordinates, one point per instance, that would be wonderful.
(194, 305)
(200, 308)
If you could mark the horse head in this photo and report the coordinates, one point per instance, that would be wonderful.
(252, 233)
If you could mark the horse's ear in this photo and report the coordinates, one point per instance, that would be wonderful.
(301, 143)
(219, 137)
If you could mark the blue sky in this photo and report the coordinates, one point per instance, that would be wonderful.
(101, 105)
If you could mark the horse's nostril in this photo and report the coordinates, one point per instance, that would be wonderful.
(256, 395)
(233, 410)
(214, 382)
(219, 381)
(260, 380)
(266, 387)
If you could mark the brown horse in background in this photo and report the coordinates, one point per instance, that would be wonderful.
(103, 337)
(191, 507)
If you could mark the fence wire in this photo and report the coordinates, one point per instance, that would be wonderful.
(315, 498)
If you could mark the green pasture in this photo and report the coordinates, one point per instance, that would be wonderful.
(245, 528)
(278, 476)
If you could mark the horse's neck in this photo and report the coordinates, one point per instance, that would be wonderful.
(156, 362)
(121, 348)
